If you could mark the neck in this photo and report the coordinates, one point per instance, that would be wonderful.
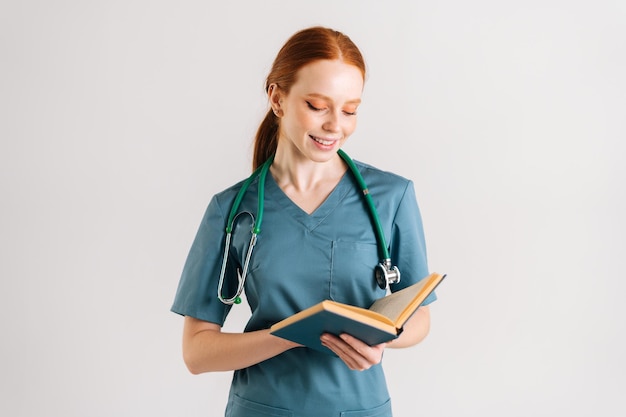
(301, 174)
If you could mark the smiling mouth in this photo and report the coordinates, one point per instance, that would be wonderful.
(322, 141)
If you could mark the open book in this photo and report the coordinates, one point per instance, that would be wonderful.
(382, 322)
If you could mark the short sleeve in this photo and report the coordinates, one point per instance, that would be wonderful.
(196, 295)
(408, 246)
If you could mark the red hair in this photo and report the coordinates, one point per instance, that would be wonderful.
(302, 48)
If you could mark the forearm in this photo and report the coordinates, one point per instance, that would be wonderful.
(207, 349)
(415, 329)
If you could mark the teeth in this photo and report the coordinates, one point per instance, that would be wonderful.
(322, 141)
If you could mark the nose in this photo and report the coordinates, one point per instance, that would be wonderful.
(331, 124)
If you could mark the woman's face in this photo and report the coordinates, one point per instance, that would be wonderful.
(319, 112)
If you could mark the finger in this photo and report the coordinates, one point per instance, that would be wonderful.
(342, 350)
(352, 358)
(372, 354)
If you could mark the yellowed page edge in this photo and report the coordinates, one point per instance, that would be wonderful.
(434, 280)
(408, 298)
(362, 315)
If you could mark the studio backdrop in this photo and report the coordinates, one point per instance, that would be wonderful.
(120, 119)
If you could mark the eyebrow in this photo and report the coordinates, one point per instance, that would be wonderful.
(316, 95)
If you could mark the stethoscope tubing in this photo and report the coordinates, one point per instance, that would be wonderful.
(261, 172)
(382, 243)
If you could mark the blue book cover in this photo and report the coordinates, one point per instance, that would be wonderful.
(330, 317)
(382, 322)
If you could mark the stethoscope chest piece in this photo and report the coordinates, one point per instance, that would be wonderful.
(386, 274)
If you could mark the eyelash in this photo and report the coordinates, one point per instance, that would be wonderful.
(312, 107)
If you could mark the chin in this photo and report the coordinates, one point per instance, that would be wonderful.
(323, 157)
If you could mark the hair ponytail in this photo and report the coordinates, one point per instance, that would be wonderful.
(266, 140)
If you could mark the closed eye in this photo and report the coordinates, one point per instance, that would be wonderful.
(318, 109)
(312, 107)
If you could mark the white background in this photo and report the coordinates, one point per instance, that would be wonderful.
(120, 119)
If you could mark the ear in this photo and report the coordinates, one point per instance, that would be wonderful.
(275, 97)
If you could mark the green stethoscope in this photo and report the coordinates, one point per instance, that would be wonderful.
(384, 273)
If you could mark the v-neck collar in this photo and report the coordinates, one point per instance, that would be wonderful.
(310, 221)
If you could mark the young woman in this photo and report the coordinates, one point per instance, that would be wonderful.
(316, 242)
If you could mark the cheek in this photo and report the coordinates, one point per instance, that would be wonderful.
(295, 123)
(350, 126)
(305, 120)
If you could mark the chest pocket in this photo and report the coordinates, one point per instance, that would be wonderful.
(352, 273)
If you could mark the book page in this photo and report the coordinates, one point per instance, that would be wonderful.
(400, 305)
(368, 316)
(357, 314)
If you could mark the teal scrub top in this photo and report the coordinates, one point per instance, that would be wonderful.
(299, 260)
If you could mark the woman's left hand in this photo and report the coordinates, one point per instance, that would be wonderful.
(354, 352)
